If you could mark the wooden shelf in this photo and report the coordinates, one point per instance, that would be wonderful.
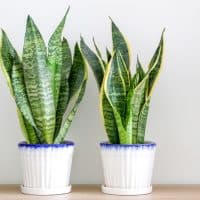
(93, 192)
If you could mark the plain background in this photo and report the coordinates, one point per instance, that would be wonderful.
(174, 114)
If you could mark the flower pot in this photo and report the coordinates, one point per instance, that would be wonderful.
(127, 168)
(46, 168)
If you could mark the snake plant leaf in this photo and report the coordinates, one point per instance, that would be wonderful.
(115, 90)
(108, 54)
(13, 69)
(28, 131)
(99, 53)
(120, 44)
(6, 58)
(142, 122)
(124, 137)
(37, 78)
(156, 64)
(139, 69)
(67, 122)
(55, 58)
(124, 71)
(138, 98)
(94, 61)
(115, 87)
(77, 84)
(64, 87)
(108, 118)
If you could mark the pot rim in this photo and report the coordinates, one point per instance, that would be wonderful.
(64, 144)
(146, 144)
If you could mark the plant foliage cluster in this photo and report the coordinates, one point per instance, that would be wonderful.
(124, 98)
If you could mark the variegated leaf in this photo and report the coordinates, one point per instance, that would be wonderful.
(94, 62)
(64, 87)
(115, 87)
(156, 64)
(108, 54)
(38, 81)
(142, 122)
(13, 69)
(115, 90)
(120, 44)
(77, 84)
(99, 53)
(138, 97)
(108, 118)
(55, 56)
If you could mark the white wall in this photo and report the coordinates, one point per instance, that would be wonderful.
(174, 115)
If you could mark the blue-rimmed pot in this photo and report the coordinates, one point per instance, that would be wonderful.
(127, 168)
(46, 168)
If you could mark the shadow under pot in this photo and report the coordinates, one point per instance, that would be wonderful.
(46, 168)
(127, 168)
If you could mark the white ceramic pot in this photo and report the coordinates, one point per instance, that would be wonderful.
(46, 168)
(127, 168)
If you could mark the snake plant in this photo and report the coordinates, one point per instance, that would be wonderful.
(124, 98)
(47, 83)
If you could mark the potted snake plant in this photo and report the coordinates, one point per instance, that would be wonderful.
(47, 85)
(124, 103)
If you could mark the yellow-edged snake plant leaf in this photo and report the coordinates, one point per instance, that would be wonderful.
(55, 55)
(156, 63)
(115, 90)
(120, 44)
(64, 85)
(94, 61)
(77, 84)
(38, 83)
(142, 122)
(153, 72)
(108, 55)
(108, 117)
(137, 99)
(13, 70)
(99, 54)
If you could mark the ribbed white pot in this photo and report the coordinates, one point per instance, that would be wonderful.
(46, 168)
(127, 168)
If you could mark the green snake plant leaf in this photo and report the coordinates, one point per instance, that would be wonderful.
(137, 99)
(64, 87)
(77, 84)
(108, 117)
(94, 61)
(120, 44)
(142, 122)
(13, 69)
(37, 78)
(123, 70)
(115, 90)
(115, 87)
(55, 56)
(156, 64)
(29, 132)
(139, 69)
(129, 113)
(108, 55)
(99, 53)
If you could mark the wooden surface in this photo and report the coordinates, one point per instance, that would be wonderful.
(93, 192)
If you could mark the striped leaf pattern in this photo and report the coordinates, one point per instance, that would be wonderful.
(55, 61)
(77, 84)
(124, 100)
(94, 61)
(40, 83)
(64, 86)
(120, 44)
